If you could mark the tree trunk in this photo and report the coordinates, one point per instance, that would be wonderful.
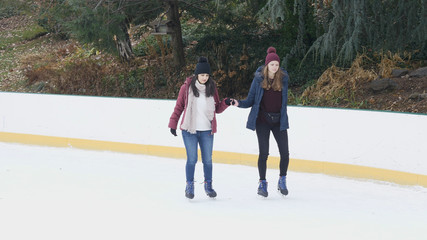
(124, 49)
(124, 46)
(176, 36)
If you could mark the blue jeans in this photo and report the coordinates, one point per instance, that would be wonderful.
(191, 141)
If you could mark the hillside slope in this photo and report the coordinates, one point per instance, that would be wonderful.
(23, 43)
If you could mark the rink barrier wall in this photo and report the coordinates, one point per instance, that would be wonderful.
(298, 165)
(379, 145)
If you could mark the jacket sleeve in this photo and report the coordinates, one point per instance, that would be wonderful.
(179, 108)
(249, 101)
(220, 106)
(285, 85)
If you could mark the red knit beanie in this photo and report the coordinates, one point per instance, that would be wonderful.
(271, 55)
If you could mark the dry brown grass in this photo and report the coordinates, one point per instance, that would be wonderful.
(336, 82)
(390, 61)
(338, 85)
(78, 70)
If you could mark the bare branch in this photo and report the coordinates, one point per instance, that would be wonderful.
(99, 3)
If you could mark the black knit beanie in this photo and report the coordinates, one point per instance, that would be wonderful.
(202, 66)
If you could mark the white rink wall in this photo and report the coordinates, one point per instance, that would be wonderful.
(394, 141)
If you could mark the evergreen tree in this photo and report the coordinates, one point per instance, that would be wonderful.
(375, 25)
(298, 28)
(344, 28)
(106, 23)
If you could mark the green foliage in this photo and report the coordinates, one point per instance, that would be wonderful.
(305, 75)
(235, 44)
(15, 36)
(97, 22)
(274, 12)
(309, 35)
(53, 17)
(377, 25)
(297, 27)
(90, 26)
(151, 46)
(9, 8)
(33, 32)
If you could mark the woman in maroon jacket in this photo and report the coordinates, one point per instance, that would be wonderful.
(198, 99)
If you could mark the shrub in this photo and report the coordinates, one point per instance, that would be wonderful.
(9, 8)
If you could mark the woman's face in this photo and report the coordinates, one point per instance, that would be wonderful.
(203, 78)
(273, 66)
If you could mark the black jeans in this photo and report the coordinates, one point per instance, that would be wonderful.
(263, 134)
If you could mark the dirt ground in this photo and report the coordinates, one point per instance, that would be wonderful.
(400, 100)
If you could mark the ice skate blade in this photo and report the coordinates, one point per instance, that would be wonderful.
(262, 197)
(189, 197)
(211, 197)
(281, 194)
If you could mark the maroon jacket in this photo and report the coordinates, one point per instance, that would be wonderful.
(181, 106)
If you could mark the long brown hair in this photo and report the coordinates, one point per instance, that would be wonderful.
(276, 84)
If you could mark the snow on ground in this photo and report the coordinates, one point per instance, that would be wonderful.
(64, 193)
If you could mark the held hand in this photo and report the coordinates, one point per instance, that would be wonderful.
(229, 101)
(173, 131)
(235, 103)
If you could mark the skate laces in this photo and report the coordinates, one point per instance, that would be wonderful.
(208, 186)
(190, 186)
(282, 182)
(263, 185)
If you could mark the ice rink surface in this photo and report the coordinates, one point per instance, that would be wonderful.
(63, 193)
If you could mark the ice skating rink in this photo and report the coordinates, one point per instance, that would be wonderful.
(51, 193)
